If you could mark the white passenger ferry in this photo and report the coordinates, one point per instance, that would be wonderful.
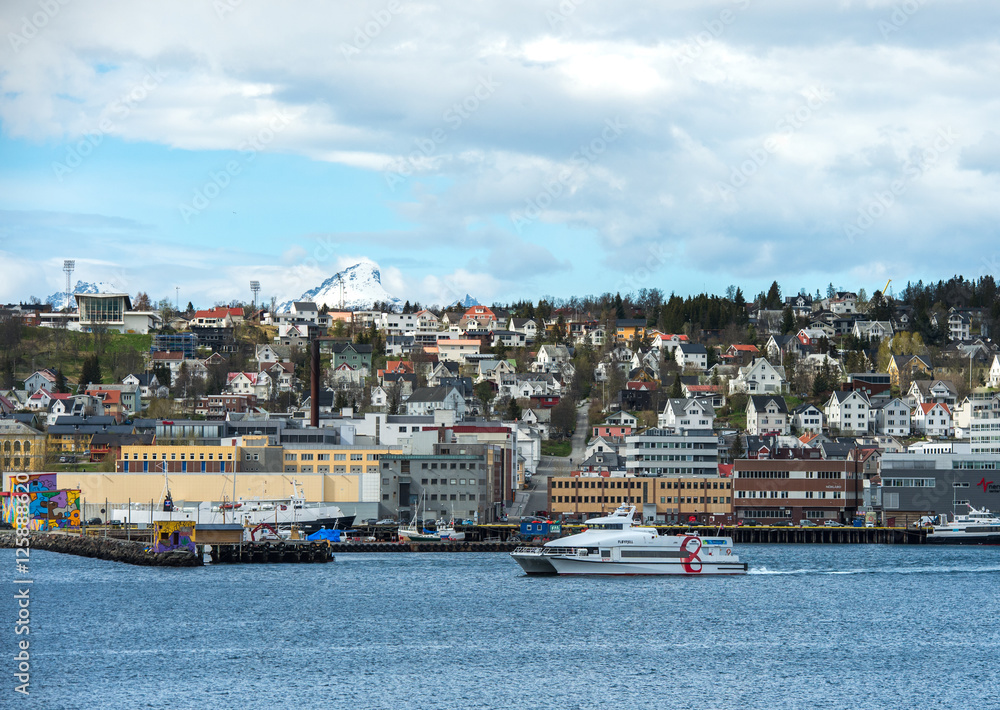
(978, 527)
(617, 545)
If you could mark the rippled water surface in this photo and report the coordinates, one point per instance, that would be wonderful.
(811, 626)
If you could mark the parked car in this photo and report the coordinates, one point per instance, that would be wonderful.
(386, 521)
(833, 524)
(94, 521)
(807, 524)
(370, 521)
(783, 524)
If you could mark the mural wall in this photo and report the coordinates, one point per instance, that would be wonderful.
(49, 507)
(173, 535)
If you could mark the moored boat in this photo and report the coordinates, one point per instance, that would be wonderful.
(977, 527)
(617, 545)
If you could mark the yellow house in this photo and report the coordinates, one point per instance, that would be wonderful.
(912, 367)
(627, 329)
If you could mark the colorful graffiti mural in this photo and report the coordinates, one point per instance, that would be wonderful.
(170, 535)
(48, 506)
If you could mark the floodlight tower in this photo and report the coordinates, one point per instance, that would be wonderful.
(255, 287)
(68, 266)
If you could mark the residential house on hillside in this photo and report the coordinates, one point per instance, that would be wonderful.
(994, 376)
(427, 400)
(759, 377)
(493, 370)
(807, 418)
(801, 305)
(892, 418)
(767, 415)
(526, 326)
(600, 444)
(740, 354)
(872, 329)
(627, 329)
(619, 424)
(39, 379)
(931, 392)
(218, 317)
(255, 383)
(683, 414)
(458, 349)
(959, 325)
(848, 412)
(666, 343)
(691, 357)
(442, 369)
(777, 346)
(932, 419)
(552, 358)
(149, 385)
(509, 339)
(811, 336)
(602, 463)
(358, 356)
(910, 367)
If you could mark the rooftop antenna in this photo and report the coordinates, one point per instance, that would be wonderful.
(340, 276)
(68, 266)
(177, 298)
(255, 287)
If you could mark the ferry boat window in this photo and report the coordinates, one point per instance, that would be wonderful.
(605, 553)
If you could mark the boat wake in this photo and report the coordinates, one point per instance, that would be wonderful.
(887, 570)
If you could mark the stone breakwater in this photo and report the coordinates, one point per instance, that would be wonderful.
(102, 548)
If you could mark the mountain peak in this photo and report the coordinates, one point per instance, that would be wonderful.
(360, 284)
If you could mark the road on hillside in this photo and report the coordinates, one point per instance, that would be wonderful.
(527, 502)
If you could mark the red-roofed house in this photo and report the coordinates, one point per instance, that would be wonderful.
(255, 383)
(932, 419)
(740, 354)
(218, 317)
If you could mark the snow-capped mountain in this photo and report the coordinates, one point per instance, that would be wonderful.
(362, 284)
(58, 300)
(469, 301)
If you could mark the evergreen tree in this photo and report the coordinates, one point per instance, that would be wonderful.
(513, 410)
(61, 387)
(341, 400)
(773, 299)
(675, 389)
(787, 321)
(91, 372)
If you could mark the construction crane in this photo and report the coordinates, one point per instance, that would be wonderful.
(886, 288)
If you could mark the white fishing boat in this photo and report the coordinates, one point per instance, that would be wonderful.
(280, 512)
(617, 545)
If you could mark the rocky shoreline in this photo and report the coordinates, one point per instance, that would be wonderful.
(103, 548)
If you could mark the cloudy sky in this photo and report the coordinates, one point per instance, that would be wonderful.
(506, 149)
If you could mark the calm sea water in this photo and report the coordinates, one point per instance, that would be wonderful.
(810, 627)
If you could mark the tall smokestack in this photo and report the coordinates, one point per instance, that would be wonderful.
(314, 381)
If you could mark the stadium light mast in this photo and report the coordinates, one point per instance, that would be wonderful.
(68, 266)
(255, 287)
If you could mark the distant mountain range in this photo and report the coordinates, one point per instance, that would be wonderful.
(362, 286)
(58, 300)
